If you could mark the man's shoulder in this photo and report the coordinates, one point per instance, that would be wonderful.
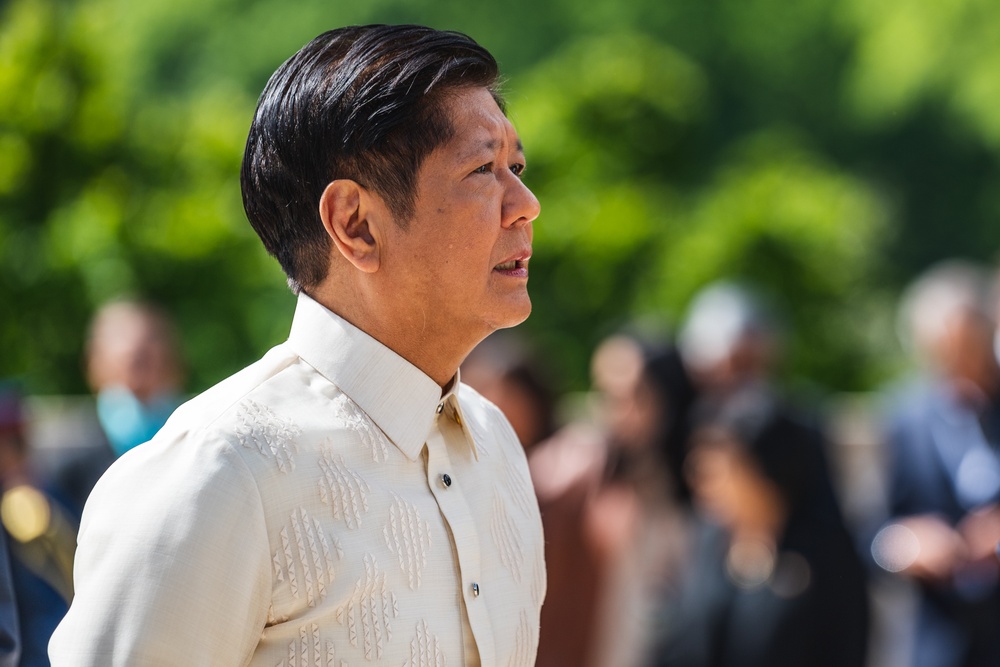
(199, 446)
(205, 426)
(217, 409)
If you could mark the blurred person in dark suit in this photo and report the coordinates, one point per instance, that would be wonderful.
(40, 537)
(942, 437)
(134, 367)
(732, 341)
(772, 579)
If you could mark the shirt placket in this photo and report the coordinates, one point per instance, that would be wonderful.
(447, 485)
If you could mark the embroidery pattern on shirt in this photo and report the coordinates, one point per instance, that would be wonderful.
(507, 539)
(524, 644)
(343, 489)
(409, 537)
(305, 558)
(425, 649)
(259, 428)
(309, 650)
(357, 421)
(369, 612)
(538, 583)
(518, 487)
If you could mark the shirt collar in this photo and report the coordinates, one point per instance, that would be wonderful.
(401, 399)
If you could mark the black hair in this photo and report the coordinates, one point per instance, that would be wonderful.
(785, 448)
(363, 103)
(664, 369)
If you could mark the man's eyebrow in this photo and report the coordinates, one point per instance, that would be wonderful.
(493, 143)
(490, 145)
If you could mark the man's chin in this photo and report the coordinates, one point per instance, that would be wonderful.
(514, 315)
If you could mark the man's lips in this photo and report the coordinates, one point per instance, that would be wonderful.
(515, 266)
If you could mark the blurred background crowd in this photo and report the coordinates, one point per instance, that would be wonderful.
(758, 392)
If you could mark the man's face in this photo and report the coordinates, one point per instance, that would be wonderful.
(132, 350)
(463, 257)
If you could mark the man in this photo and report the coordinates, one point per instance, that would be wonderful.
(729, 340)
(344, 500)
(942, 441)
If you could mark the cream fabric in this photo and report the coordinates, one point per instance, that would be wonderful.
(297, 514)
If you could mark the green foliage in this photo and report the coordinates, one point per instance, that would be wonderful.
(114, 190)
(826, 150)
(624, 232)
(605, 124)
(911, 53)
(779, 217)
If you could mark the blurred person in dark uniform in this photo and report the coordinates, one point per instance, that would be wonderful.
(134, 367)
(773, 578)
(942, 437)
(40, 536)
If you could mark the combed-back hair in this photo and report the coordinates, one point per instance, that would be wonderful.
(364, 103)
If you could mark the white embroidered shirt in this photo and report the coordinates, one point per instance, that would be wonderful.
(325, 506)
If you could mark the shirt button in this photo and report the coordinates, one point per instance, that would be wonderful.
(475, 590)
(458, 419)
(446, 480)
(440, 408)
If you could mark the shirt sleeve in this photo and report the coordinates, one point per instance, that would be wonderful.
(172, 565)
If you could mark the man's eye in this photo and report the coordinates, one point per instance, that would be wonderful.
(485, 169)
(518, 169)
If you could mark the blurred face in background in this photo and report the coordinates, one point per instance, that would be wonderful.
(963, 350)
(631, 408)
(133, 366)
(729, 486)
(134, 349)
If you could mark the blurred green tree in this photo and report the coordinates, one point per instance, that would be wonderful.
(826, 150)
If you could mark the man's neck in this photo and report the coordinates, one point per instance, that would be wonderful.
(433, 350)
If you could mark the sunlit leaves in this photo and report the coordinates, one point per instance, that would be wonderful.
(807, 234)
(910, 53)
(669, 143)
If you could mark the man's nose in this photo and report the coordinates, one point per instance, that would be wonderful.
(520, 205)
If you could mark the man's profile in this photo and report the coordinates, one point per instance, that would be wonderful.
(345, 500)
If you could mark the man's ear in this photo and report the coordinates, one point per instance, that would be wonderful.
(345, 209)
